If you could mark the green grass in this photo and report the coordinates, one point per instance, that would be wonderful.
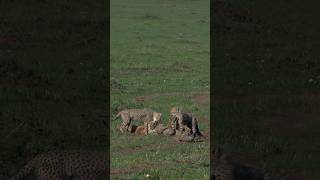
(266, 83)
(159, 49)
(52, 79)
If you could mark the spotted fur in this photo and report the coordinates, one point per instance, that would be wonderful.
(149, 118)
(62, 165)
(184, 123)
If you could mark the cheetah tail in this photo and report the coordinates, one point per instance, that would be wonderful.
(119, 113)
(26, 170)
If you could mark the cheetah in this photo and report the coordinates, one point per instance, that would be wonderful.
(144, 130)
(149, 117)
(62, 165)
(185, 136)
(183, 122)
(141, 130)
(223, 169)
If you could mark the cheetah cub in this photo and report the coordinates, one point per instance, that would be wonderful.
(149, 117)
(61, 165)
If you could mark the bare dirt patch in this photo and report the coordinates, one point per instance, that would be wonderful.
(152, 96)
(202, 99)
(131, 169)
(180, 67)
(147, 147)
(171, 143)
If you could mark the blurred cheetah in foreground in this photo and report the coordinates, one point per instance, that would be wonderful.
(62, 165)
(226, 168)
(223, 169)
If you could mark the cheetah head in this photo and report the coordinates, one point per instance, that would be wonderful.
(156, 116)
(175, 109)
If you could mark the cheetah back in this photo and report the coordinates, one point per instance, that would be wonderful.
(58, 165)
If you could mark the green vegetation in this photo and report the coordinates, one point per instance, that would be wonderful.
(159, 58)
(266, 80)
(52, 76)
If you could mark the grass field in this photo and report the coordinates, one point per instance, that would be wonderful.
(52, 79)
(266, 85)
(159, 58)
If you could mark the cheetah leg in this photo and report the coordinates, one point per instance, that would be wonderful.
(122, 128)
(195, 128)
(125, 123)
(129, 126)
